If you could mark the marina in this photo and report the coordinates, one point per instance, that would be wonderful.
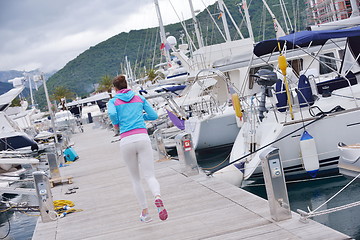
(252, 139)
(199, 207)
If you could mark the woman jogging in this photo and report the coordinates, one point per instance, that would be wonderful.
(129, 112)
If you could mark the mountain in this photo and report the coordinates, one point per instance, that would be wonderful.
(4, 87)
(5, 76)
(107, 58)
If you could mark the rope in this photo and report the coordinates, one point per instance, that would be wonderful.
(64, 207)
(331, 210)
(337, 193)
(218, 164)
(7, 209)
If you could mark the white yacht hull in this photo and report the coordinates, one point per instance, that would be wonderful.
(213, 131)
(328, 132)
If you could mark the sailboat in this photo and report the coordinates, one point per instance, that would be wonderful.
(322, 101)
(209, 108)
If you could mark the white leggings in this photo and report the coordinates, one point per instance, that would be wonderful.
(139, 159)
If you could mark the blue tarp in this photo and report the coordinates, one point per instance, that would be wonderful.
(303, 39)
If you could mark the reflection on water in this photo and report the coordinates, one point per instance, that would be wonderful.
(310, 194)
(314, 193)
(21, 225)
(301, 195)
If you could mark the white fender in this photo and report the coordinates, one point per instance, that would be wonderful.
(230, 174)
(309, 154)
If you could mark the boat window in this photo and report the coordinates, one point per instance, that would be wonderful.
(296, 65)
(327, 63)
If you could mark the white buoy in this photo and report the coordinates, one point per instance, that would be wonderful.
(309, 154)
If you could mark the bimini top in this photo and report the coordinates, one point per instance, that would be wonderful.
(303, 39)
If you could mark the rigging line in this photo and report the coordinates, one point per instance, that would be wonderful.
(137, 57)
(234, 23)
(126, 42)
(147, 64)
(242, 15)
(336, 193)
(155, 47)
(286, 14)
(301, 113)
(183, 26)
(277, 140)
(144, 47)
(214, 21)
(262, 23)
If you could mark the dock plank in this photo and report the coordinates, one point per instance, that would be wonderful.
(199, 207)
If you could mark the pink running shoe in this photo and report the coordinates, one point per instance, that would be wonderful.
(163, 215)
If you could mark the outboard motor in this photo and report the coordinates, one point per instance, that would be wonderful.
(265, 78)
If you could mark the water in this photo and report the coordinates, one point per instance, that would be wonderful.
(21, 225)
(310, 194)
(301, 195)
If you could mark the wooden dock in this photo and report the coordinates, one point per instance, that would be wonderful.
(199, 207)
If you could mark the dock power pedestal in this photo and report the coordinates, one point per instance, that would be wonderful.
(186, 154)
(43, 190)
(160, 146)
(275, 184)
(53, 165)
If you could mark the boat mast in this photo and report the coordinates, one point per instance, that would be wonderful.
(355, 8)
(162, 31)
(31, 92)
(278, 29)
(196, 25)
(248, 21)
(223, 17)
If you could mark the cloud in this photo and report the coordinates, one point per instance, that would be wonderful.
(48, 34)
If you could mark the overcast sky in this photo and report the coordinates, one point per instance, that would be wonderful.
(46, 34)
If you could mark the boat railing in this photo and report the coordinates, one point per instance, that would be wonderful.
(203, 107)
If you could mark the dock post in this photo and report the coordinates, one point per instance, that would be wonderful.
(186, 154)
(275, 184)
(43, 191)
(53, 165)
(160, 146)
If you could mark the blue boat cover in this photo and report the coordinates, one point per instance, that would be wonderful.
(303, 39)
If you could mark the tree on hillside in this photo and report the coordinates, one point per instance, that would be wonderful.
(105, 84)
(152, 75)
(16, 102)
(61, 93)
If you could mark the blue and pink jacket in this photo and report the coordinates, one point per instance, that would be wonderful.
(126, 110)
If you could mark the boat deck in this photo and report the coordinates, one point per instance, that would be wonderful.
(199, 207)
